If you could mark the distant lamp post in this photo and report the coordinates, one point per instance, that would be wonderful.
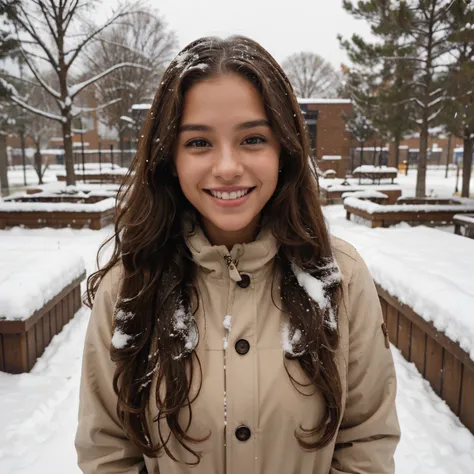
(81, 132)
(131, 124)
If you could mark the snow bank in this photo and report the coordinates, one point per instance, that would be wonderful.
(101, 206)
(372, 207)
(427, 269)
(29, 278)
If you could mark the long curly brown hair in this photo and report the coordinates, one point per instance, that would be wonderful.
(158, 271)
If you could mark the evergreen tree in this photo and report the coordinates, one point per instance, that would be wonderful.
(459, 111)
(415, 32)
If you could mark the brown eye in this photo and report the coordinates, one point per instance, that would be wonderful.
(198, 143)
(254, 141)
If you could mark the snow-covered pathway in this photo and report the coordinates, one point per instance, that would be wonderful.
(39, 410)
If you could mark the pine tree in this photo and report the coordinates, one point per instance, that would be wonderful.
(459, 111)
(420, 28)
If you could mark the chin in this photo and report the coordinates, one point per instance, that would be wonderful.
(231, 223)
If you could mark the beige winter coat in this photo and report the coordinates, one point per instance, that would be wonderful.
(261, 402)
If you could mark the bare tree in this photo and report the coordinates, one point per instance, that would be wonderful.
(8, 48)
(40, 129)
(311, 75)
(142, 39)
(56, 33)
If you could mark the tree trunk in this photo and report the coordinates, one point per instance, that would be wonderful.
(421, 174)
(3, 165)
(397, 150)
(38, 165)
(450, 137)
(68, 155)
(121, 148)
(23, 155)
(467, 164)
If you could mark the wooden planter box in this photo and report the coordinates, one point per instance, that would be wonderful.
(447, 367)
(460, 221)
(76, 220)
(335, 197)
(87, 216)
(22, 342)
(109, 178)
(413, 217)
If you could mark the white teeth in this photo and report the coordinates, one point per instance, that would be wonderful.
(229, 196)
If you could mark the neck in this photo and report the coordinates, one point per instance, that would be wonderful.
(218, 236)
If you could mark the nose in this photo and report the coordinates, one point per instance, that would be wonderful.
(227, 165)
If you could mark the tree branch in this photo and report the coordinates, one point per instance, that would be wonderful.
(75, 89)
(36, 111)
(91, 36)
(95, 109)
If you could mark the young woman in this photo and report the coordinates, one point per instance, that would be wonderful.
(229, 332)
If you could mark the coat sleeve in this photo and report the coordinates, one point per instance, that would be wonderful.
(369, 431)
(101, 445)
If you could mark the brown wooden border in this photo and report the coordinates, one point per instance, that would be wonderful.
(57, 219)
(448, 367)
(22, 342)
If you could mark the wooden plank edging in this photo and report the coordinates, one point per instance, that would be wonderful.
(20, 326)
(427, 327)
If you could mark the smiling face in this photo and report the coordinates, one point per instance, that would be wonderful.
(227, 157)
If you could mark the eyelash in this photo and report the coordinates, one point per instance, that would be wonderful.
(192, 143)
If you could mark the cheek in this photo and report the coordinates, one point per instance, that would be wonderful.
(267, 171)
(189, 172)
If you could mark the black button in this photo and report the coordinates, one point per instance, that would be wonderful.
(242, 346)
(245, 282)
(243, 433)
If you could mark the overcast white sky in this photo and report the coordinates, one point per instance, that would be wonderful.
(281, 26)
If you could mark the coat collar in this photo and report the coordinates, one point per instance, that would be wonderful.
(214, 260)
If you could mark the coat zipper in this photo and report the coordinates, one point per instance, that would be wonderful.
(232, 266)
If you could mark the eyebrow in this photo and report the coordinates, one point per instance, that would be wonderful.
(191, 127)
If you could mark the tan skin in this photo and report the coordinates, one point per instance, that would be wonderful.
(226, 145)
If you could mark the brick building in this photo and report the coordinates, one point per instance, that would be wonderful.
(330, 142)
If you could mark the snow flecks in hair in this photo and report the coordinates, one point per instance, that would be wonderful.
(317, 288)
(120, 339)
(289, 340)
(184, 325)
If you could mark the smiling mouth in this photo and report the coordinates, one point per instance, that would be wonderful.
(229, 196)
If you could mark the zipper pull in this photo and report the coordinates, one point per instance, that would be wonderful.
(232, 266)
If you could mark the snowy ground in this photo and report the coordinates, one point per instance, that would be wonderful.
(38, 411)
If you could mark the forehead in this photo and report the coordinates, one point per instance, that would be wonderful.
(222, 99)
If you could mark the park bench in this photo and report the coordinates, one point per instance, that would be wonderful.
(375, 173)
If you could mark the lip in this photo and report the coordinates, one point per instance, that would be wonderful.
(230, 189)
(230, 202)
